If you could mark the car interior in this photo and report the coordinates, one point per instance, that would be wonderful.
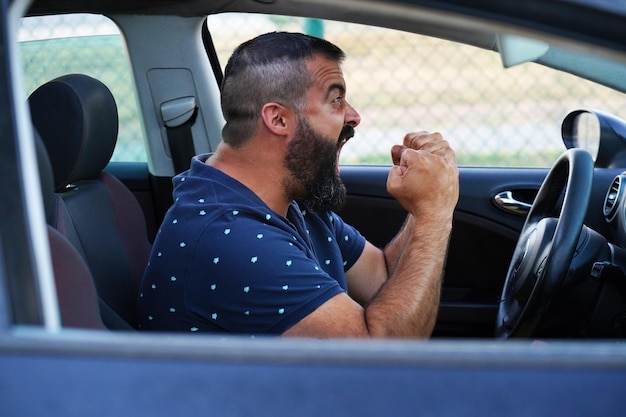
(104, 103)
(110, 211)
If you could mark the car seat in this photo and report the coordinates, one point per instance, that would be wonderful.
(77, 119)
(76, 293)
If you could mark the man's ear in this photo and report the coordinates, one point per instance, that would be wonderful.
(278, 119)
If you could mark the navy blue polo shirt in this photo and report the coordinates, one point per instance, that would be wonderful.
(224, 262)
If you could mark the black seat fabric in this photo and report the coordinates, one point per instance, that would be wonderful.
(77, 119)
(76, 293)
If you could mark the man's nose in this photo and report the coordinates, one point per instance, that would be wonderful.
(352, 117)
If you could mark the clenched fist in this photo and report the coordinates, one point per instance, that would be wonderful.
(424, 178)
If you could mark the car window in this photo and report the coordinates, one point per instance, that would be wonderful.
(399, 82)
(52, 46)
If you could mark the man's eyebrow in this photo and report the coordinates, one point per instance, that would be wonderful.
(336, 86)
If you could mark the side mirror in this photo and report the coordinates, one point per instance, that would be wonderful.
(601, 134)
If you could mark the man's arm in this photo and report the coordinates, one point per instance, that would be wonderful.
(395, 248)
(375, 266)
(406, 277)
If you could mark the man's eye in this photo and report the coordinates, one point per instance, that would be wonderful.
(338, 99)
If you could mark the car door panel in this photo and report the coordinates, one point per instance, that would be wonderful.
(480, 248)
(482, 241)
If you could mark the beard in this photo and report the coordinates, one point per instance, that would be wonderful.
(312, 161)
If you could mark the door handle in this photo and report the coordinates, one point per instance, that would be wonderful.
(506, 201)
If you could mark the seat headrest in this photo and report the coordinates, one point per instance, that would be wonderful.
(77, 119)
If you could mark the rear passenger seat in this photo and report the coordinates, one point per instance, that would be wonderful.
(77, 119)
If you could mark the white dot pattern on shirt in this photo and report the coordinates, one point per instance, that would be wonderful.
(254, 259)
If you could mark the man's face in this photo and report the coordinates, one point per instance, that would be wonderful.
(312, 161)
(324, 126)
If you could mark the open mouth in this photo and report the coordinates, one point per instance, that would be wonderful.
(346, 134)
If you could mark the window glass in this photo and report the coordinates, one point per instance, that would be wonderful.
(52, 46)
(403, 82)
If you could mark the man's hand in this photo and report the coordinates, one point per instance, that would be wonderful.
(424, 178)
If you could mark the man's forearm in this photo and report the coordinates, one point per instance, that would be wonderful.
(395, 248)
(407, 304)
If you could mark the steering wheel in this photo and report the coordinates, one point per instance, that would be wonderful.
(546, 245)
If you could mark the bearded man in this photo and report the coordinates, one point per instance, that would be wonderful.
(252, 244)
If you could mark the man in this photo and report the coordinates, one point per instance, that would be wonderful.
(251, 244)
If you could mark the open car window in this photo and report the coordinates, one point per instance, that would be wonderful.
(52, 46)
(398, 81)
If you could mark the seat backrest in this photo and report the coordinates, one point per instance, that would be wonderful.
(76, 293)
(77, 119)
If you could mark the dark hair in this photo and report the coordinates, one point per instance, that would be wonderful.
(269, 68)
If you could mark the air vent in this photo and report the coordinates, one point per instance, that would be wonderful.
(612, 198)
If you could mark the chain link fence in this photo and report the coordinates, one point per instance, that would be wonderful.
(402, 82)
(398, 82)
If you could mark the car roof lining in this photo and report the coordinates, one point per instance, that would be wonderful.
(436, 19)
(446, 19)
(396, 16)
